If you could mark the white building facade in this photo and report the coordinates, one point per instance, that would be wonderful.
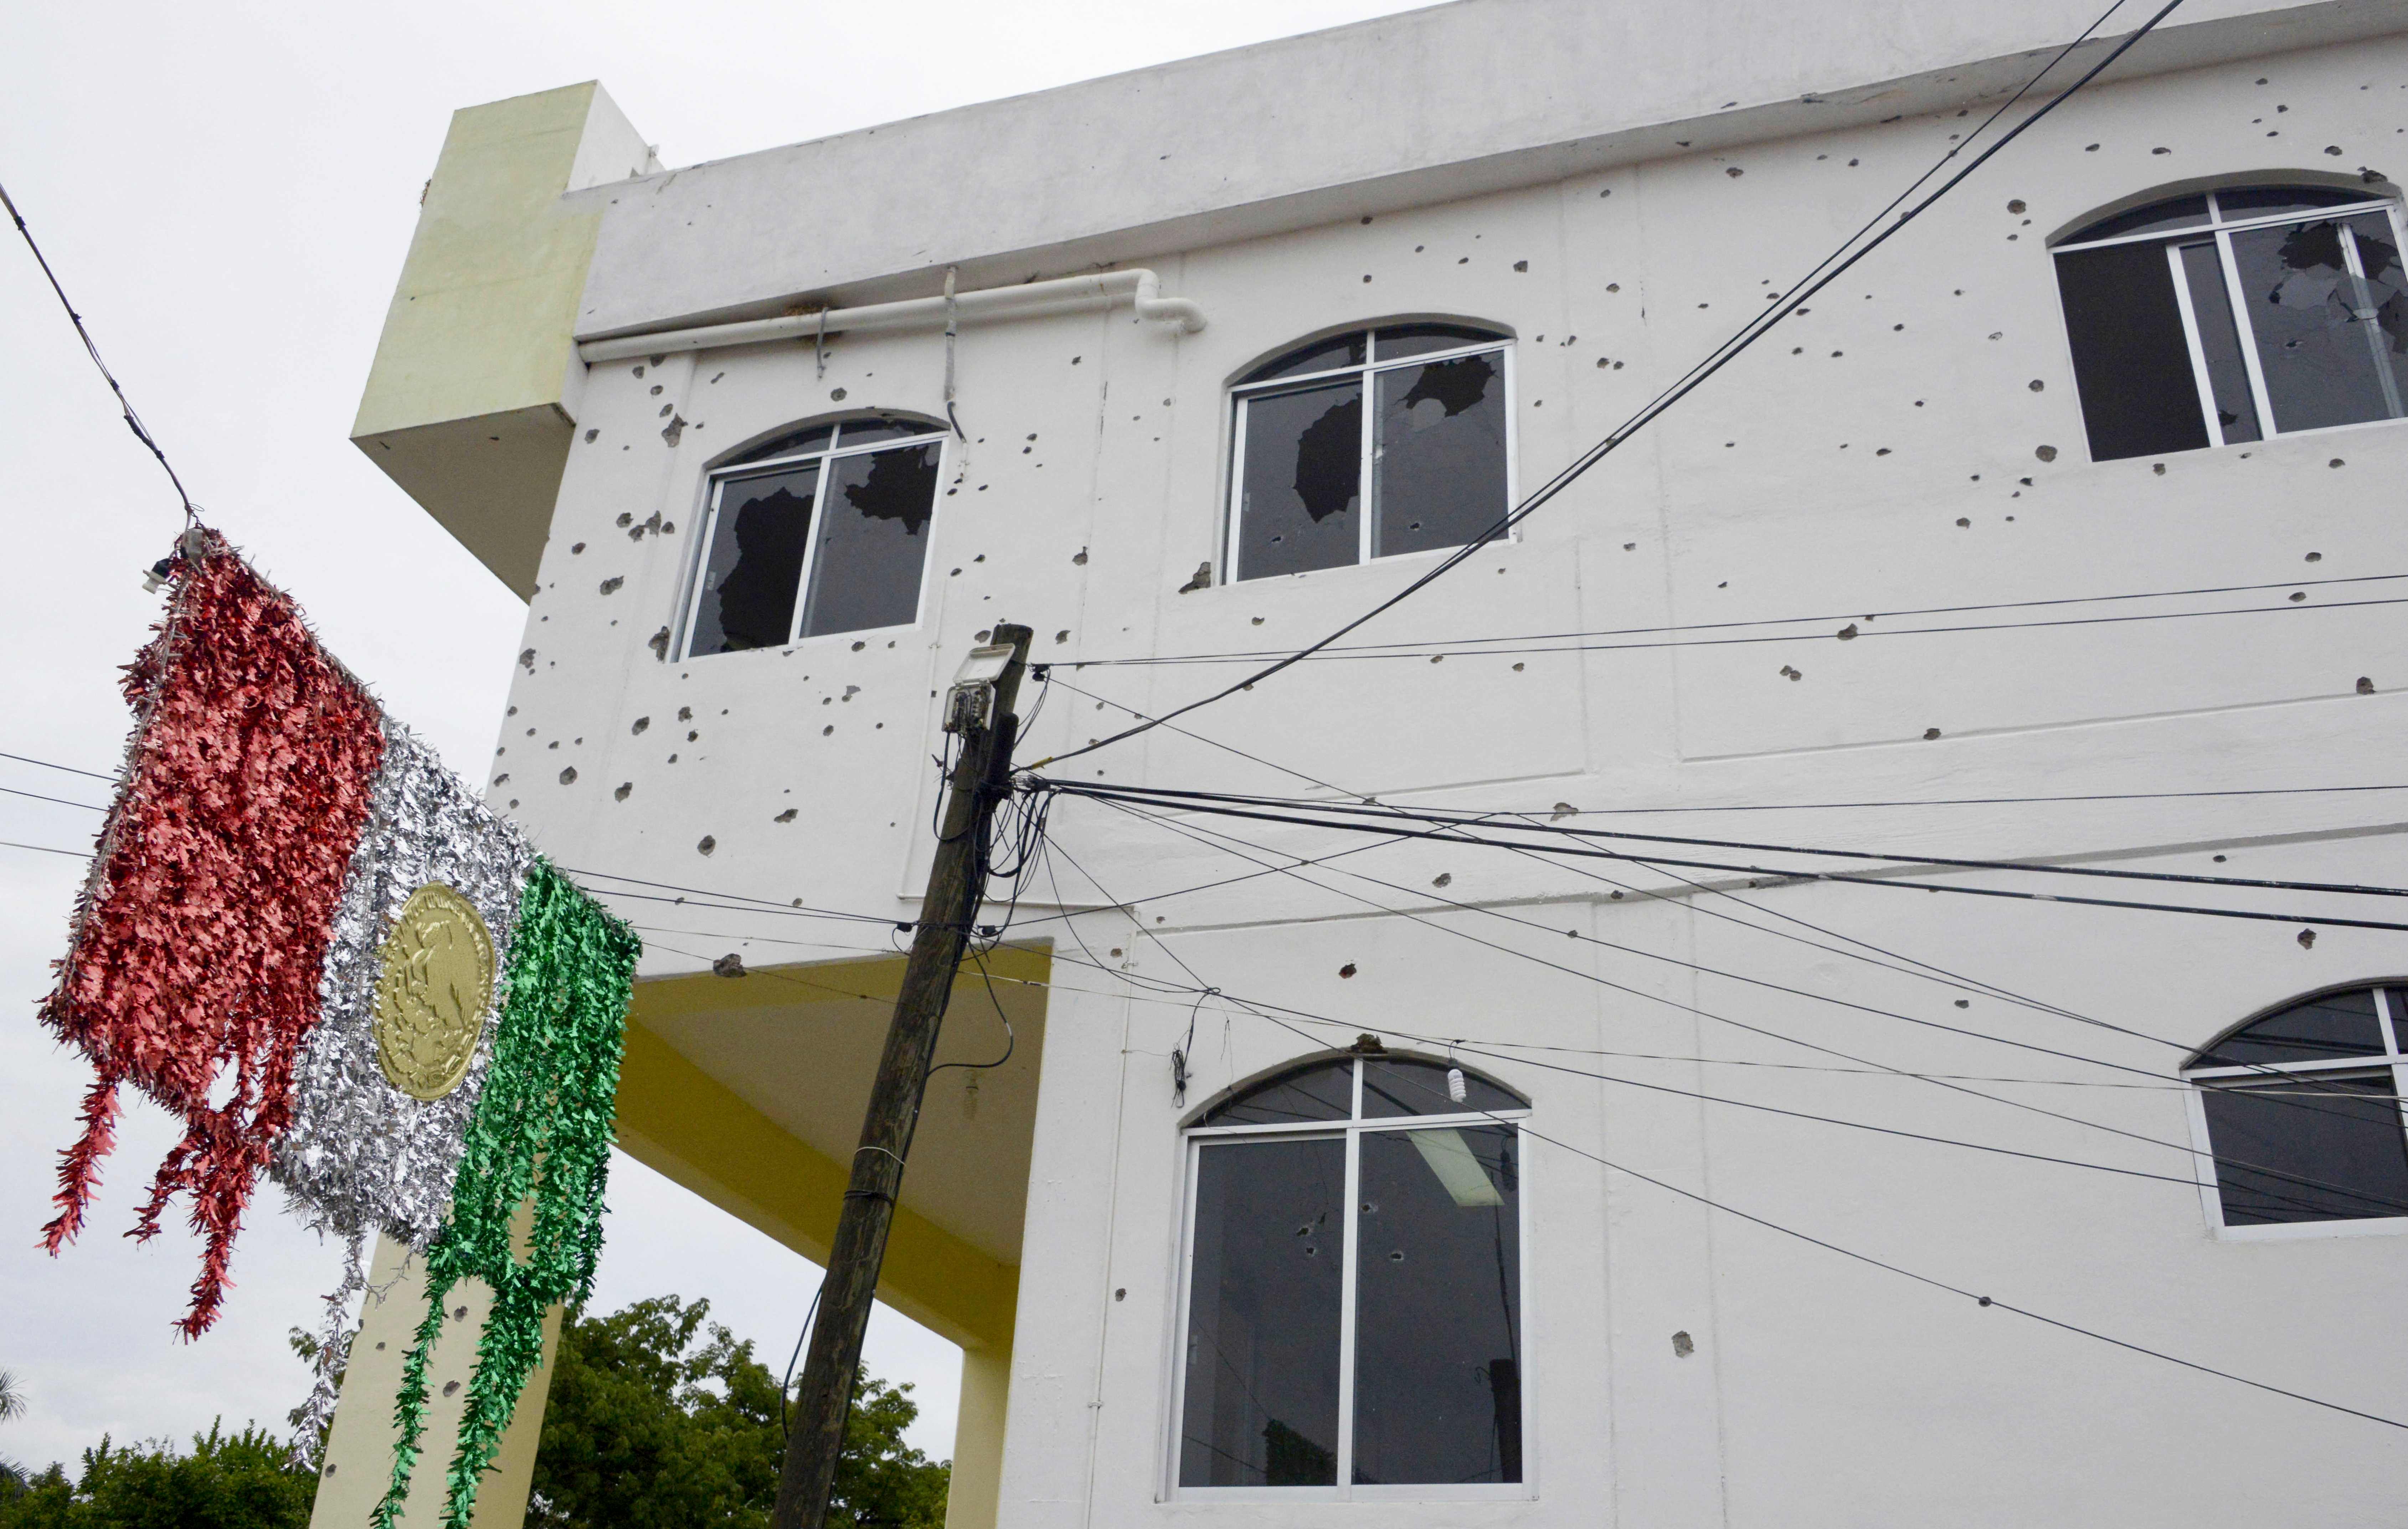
(2067, 514)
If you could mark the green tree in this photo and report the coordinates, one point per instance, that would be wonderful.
(243, 1480)
(653, 1424)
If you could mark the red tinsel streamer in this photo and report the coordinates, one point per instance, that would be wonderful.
(193, 965)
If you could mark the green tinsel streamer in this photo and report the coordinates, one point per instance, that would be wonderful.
(542, 1128)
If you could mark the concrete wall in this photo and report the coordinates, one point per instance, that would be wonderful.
(1884, 453)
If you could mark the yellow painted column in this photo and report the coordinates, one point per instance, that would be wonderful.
(975, 1496)
(359, 1447)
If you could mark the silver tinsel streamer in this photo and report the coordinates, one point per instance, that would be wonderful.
(361, 1156)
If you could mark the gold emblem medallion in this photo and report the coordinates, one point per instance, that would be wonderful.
(432, 995)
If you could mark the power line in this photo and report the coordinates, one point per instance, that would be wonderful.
(1846, 634)
(132, 421)
(11, 844)
(1777, 873)
(1830, 269)
(59, 800)
(1453, 820)
(70, 769)
(2189, 1152)
(1985, 1301)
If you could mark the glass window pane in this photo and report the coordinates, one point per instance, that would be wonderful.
(1261, 1406)
(1300, 485)
(1438, 474)
(1398, 341)
(1437, 1345)
(793, 443)
(2228, 373)
(755, 566)
(2343, 1132)
(2317, 333)
(875, 543)
(2384, 294)
(1322, 1092)
(2265, 200)
(2131, 360)
(1320, 356)
(2399, 1018)
(2182, 212)
(2335, 1025)
(862, 431)
(1394, 1086)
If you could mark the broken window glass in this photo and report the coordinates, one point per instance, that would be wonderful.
(1433, 457)
(2279, 325)
(873, 540)
(755, 564)
(842, 534)
(1439, 478)
(1438, 1339)
(1264, 1298)
(1302, 481)
(2320, 341)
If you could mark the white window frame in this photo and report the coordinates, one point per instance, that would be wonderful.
(716, 483)
(2395, 1030)
(1242, 394)
(2220, 229)
(1352, 1129)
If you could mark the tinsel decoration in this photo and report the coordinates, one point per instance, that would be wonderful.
(360, 1155)
(198, 937)
(542, 1130)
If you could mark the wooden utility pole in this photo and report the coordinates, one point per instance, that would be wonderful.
(978, 711)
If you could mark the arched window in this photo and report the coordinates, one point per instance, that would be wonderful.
(817, 531)
(1320, 481)
(1354, 1296)
(2233, 315)
(2302, 1109)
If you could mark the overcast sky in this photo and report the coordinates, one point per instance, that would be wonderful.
(227, 192)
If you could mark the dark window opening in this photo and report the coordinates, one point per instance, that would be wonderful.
(2300, 1134)
(1427, 1320)
(2248, 320)
(836, 541)
(1431, 461)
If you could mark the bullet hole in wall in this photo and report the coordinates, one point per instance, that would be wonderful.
(1347, 970)
(2365, 685)
(2307, 939)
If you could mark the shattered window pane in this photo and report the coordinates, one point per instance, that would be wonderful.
(1398, 341)
(2322, 341)
(1267, 1285)
(2131, 359)
(1300, 485)
(755, 564)
(1439, 474)
(1320, 356)
(2211, 306)
(1437, 1362)
(874, 540)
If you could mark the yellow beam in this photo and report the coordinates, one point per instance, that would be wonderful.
(688, 1127)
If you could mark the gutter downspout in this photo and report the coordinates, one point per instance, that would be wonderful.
(1141, 287)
